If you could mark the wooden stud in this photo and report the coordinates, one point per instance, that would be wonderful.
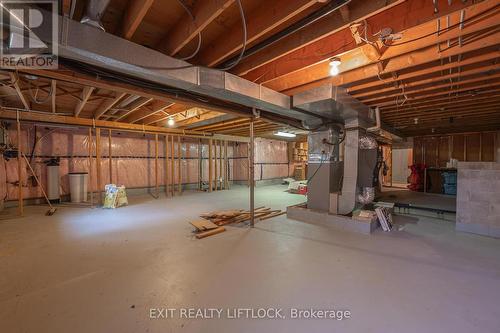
(15, 83)
(157, 188)
(226, 173)
(179, 169)
(166, 166)
(215, 166)
(98, 163)
(172, 168)
(90, 185)
(54, 95)
(110, 158)
(200, 165)
(221, 175)
(20, 208)
(210, 142)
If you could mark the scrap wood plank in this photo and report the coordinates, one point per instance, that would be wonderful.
(272, 215)
(215, 231)
(203, 225)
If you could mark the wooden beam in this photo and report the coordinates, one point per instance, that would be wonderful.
(20, 203)
(186, 29)
(416, 38)
(86, 92)
(419, 83)
(110, 157)
(422, 91)
(68, 75)
(136, 105)
(332, 36)
(40, 117)
(221, 175)
(210, 144)
(108, 104)
(135, 13)
(53, 88)
(157, 188)
(14, 78)
(317, 76)
(179, 166)
(216, 178)
(259, 23)
(91, 157)
(226, 171)
(193, 120)
(98, 163)
(317, 35)
(172, 166)
(156, 107)
(163, 115)
(454, 64)
(166, 167)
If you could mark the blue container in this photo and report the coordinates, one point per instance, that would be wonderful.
(450, 189)
(449, 177)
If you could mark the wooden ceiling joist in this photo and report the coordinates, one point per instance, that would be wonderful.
(135, 13)
(156, 107)
(135, 105)
(86, 92)
(320, 77)
(108, 104)
(453, 64)
(265, 19)
(14, 79)
(313, 37)
(185, 30)
(397, 15)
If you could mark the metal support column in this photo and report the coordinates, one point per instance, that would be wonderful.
(251, 179)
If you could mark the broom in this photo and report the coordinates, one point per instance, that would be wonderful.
(52, 209)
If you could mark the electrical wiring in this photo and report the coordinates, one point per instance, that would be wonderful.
(199, 33)
(33, 96)
(245, 37)
(439, 31)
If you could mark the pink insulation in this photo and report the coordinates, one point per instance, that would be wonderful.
(133, 162)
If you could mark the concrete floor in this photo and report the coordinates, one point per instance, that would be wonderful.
(85, 270)
(429, 200)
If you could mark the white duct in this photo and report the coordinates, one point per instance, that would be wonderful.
(376, 128)
(93, 13)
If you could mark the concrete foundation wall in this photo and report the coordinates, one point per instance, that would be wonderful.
(478, 198)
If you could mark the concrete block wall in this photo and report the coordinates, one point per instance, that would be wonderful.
(478, 198)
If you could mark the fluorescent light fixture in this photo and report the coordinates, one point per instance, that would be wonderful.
(170, 122)
(285, 134)
(334, 66)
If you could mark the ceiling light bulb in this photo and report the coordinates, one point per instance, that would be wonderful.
(334, 70)
(170, 122)
(335, 62)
